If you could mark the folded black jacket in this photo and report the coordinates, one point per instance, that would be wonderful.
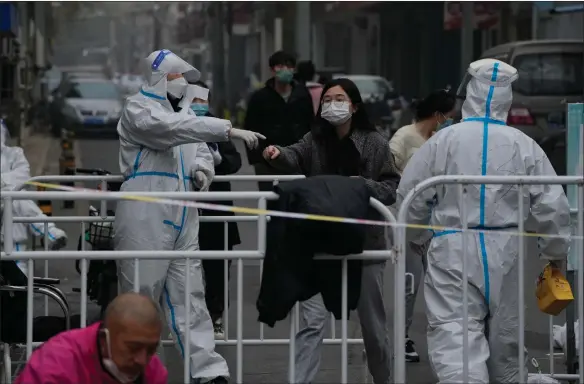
(290, 272)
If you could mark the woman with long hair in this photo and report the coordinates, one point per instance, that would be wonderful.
(344, 142)
(432, 113)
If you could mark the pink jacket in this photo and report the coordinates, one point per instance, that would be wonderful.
(72, 358)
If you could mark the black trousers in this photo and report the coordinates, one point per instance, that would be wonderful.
(215, 286)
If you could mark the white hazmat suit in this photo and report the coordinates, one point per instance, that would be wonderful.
(15, 171)
(482, 144)
(164, 151)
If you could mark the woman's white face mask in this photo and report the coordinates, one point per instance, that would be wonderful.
(336, 112)
(111, 367)
(177, 87)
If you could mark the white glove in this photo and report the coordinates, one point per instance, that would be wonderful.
(201, 181)
(250, 138)
(58, 239)
(214, 149)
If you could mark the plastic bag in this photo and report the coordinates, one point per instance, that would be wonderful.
(538, 378)
(559, 334)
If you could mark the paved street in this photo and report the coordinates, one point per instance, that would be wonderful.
(268, 364)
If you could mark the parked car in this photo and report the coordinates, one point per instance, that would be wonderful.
(550, 76)
(130, 84)
(380, 99)
(86, 106)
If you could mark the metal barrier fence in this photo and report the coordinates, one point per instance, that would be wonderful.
(400, 269)
(84, 256)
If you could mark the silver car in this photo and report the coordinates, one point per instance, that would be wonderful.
(86, 106)
(550, 76)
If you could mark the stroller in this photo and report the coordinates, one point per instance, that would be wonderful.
(102, 279)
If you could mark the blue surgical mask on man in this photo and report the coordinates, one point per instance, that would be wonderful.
(200, 109)
(284, 75)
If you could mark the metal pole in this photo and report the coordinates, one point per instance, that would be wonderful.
(112, 46)
(303, 30)
(467, 34)
(534, 21)
(570, 336)
(278, 34)
(217, 47)
(227, 31)
(156, 39)
(22, 69)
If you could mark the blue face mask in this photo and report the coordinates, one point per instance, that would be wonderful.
(200, 109)
(284, 75)
(445, 124)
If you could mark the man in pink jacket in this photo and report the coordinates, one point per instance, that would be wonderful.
(119, 350)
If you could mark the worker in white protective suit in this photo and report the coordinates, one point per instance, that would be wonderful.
(156, 129)
(481, 144)
(15, 171)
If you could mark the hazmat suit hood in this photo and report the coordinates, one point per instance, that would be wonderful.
(488, 93)
(155, 69)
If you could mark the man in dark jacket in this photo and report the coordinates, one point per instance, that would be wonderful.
(282, 111)
(212, 234)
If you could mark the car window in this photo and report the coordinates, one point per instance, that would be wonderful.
(372, 86)
(549, 74)
(101, 90)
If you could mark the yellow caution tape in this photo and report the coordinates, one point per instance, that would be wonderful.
(292, 215)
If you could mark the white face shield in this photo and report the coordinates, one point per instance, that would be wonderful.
(159, 64)
(488, 93)
(193, 92)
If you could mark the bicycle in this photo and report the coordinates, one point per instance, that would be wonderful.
(102, 279)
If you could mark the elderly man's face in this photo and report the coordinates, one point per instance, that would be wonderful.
(132, 345)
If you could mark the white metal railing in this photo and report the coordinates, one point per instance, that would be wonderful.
(400, 270)
(85, 255)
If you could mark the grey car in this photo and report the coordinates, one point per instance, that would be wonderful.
(550, 76)
(86, 106)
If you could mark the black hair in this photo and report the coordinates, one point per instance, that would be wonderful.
(323, 79)
(440, 101)
(359, 120)
(202, 84)
(281, 58)
(305, 71)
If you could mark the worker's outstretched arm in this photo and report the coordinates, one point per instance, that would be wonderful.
(156, 128)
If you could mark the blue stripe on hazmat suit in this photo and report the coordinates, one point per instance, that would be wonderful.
(482, 144)
(160, 151)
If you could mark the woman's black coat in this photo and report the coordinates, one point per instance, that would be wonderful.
(211, 235)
